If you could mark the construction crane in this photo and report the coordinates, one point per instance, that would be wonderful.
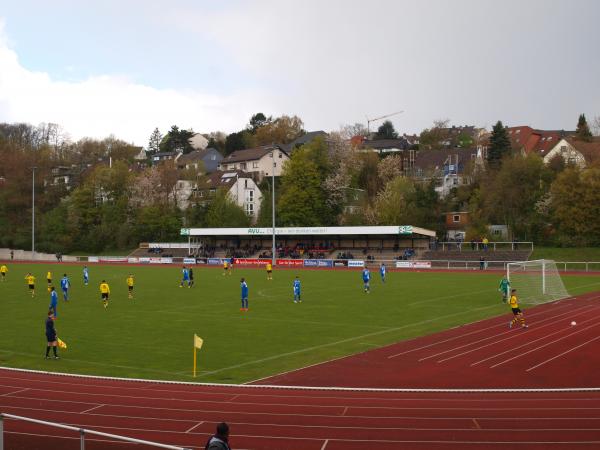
(379, 118)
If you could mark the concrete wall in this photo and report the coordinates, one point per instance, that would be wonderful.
(24, 255)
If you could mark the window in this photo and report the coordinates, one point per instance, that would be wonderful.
(255, 165)
(243, 166)
(518, 131)
(250, 209)
(246, 184)
(280, 155)
(213, 157)
(231, 167)
(497, 232)
(456, 218)
(250, 196)
(563, 148)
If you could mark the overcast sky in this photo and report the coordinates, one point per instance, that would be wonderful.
(125, 67)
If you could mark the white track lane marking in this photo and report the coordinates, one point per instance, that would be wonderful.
(562, 354)
(543, 338)
(324, 446)
(481, 330)
(8, 394)
(189, 430)
(92, 409)
(508, 333)
(542, 346)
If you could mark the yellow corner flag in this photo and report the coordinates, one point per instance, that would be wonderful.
(62, 344)
(198, 341)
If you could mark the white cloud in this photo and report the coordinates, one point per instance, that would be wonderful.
(102, 105)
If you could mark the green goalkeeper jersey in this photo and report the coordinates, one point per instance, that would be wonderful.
(504, 285)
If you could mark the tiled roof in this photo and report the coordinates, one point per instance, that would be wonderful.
(222, 179)
(433, 160)
(196, 155)
(589, 150)
(249, 154)
(535, 141)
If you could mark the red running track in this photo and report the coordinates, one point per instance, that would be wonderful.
(550, 354)
(484, 354)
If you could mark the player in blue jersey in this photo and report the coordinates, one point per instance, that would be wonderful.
(366, 276)
(186, 277)
(382, 272)
(86, 275)
(65, 284)
(53, 301)
(297, 289)
(244, 287)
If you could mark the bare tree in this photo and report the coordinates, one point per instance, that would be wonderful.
(596, 126)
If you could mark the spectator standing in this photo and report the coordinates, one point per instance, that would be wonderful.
(12, 255)
(485, 243)
(473, 244)
(220, 440)
(481, 263)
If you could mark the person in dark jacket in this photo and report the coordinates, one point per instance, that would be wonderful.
(51, 336)
(220, 441)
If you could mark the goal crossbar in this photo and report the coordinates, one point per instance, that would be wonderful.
(537, 281)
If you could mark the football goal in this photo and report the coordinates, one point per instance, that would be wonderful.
(536, 281)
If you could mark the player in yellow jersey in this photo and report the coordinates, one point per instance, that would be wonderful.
(518, 314)
(269, 271)
(49, 279)
(3, 272)
(130, 282)
(30, 279)
(225, 267)
(105, 292)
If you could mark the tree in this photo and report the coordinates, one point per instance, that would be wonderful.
(368, 176)
(177, 140)
(154, 142)
(575, 206)
(224, 212)
(394, 204)
(583, 130)
(350, 131)
(434, 137)
(596, 126)
(239, 141)
(499, 145)
(282, 130)
(302, 201)
(386, 131)
(257, 121)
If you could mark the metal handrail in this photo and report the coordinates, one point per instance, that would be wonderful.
(82, 432)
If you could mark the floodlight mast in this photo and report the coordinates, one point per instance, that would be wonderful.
(380, 118)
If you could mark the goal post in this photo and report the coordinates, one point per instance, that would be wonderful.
(536, 281)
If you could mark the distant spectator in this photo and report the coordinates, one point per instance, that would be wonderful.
(220, 441)
(481, 263)
(515, 244)
(473, 244)
(485, 243)
(12, 255)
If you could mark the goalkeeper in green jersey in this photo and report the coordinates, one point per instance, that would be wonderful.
(504, 288)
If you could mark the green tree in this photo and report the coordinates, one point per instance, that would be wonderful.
(583, 130)
(386, 131)
(499, 145)
(154, 142)
(302, 201)
(394, 205)
(257, 121)
(239, 141)
(282, 130)
(575, 206)
(177, 140)
(224, 212)
(368, 176)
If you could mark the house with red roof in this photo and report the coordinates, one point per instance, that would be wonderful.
(528, 140)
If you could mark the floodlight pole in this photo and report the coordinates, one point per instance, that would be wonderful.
(273, 207)
(33, 212)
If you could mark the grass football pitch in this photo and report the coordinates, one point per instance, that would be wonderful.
(151, 336)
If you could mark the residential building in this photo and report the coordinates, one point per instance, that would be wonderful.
(575, 151)
(208, 160)
(198, 142)
(456, 224)
(354, 200)
(164, 156)
(449, 167)
(260, 162)
(383, 146)
(240, 186)
(528, 140)
(306, 138)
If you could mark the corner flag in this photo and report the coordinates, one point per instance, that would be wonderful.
(62, 344)
(198, 341)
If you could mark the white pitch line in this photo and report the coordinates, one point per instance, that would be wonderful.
(562, 354)
(542, 346)
(495, 336)
(325, 444)
(92, 409)
(195, 426)
(511, 350)
(15, 392)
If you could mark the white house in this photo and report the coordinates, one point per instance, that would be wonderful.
(198, 142)
(240, 187)
(574, 151)
(260, 162)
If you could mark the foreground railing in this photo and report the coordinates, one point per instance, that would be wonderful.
(82, 433)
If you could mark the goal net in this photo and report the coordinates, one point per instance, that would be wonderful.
(536, 281)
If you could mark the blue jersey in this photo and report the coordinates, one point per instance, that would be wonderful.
(65, 283)
(296, 287)
(86, 274)
(53, 299)
(186, 274)
(382, 271)
(366, 275)
(244, 289)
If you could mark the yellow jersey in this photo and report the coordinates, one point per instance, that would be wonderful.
(513, 302)
(3, 269)
(104, 289)
(130, 281)
(269, 267)
(49, 276)
(226, 265)
(30, 279)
